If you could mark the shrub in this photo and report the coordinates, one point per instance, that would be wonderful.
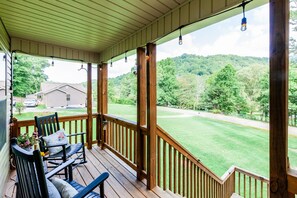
(19, 107)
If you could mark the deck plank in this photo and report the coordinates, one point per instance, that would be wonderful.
(122, 181)
(133, 191)
(110, 161)
(91, 165)
(119, 189)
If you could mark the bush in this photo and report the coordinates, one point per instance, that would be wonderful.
(19, 107)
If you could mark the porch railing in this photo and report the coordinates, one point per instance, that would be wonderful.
(71, 124)
(177, 169)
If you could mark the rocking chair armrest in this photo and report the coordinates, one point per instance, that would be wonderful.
(89, 188)
(75, 134)
(59, 168)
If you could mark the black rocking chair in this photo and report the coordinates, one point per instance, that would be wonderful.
(32, 180)
(48, 125)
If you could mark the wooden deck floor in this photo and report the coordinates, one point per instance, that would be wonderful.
(122, 181)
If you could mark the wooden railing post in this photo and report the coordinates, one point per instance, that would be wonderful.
(89, 108)
(141, 108)
(279, 34)
(99, 96)
(103, 100)
(14, 132)
(151, 115)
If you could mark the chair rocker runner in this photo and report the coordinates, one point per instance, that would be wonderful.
(38, 184)
(49, 125)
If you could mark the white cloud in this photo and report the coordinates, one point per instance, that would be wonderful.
(121, 67)
(225, 38)
(65, 71)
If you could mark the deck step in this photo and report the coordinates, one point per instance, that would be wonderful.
(234, 195)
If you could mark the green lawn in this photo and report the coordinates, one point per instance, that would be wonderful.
(217, 144)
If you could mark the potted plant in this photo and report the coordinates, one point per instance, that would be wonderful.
(26, 142)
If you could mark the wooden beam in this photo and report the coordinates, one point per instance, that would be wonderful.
(99, 93)
(89, 107)
(141, 108)
(103, 99)
(279, 31)
(151, 115)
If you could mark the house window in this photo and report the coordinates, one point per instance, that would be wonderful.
(68, 97)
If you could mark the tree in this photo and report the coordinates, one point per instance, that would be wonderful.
(293, 23)
(19, 107)
(293, 92)
(263, 99)
(167, 83)
(28, 74)
(222, 92)
(249, 78)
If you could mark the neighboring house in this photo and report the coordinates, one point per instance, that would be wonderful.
(62, 94)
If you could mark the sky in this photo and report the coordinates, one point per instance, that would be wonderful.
(224, 37)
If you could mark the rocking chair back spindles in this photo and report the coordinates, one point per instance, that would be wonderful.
(47, 124)
(31, 179)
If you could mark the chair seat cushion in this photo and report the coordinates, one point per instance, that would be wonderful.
(66, 190)
(79, 188)
(72, 149)
(54, 139)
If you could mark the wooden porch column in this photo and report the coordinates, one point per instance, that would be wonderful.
(89, 107)
(99, 96)
(151, 115)
(141, 108)
(103, 99)
(279, 31)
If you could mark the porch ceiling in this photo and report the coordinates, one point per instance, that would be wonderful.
(90, 25)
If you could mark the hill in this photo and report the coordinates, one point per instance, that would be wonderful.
(206, 65)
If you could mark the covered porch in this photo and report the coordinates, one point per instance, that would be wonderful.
(102, 32)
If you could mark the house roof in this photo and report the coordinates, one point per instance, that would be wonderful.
(47, 87)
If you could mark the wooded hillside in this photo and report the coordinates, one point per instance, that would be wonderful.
(198, 82)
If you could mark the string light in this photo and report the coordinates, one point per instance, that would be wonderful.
(126, 59)
(4, 57)
(243, 20)
(53, 63)
(111, 61)
(15, 58)
(180, 38)
(82, 64)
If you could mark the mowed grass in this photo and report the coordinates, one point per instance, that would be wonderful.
(218, 144)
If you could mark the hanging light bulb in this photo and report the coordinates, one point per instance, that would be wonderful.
(53, 63)
(126, 59)
(180, 38)
(111, 62)
(243, 20)
(4, 57)
(15, 58)
(82, 64)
